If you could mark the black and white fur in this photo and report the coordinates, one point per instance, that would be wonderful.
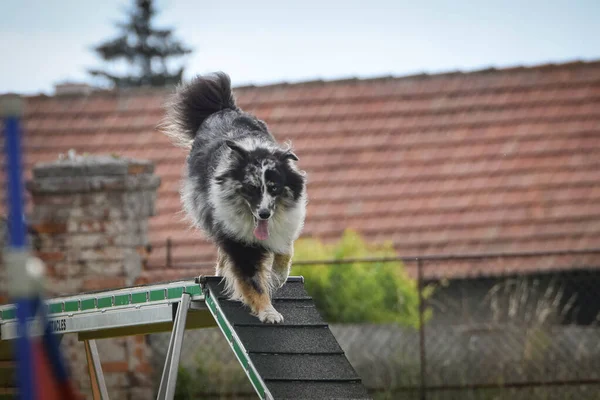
(240, 187)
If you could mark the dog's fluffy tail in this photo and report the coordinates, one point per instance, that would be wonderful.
(193, 102)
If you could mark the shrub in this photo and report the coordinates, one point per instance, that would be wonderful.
(357, 292)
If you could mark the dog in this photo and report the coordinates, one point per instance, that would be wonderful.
(240, 187)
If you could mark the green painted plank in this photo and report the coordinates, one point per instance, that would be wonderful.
(220, 319)
(88, 304)
(55, 308)
(236, 346)
(122, 300)
(174, 293)
(104, 302)
(71, 306)
(240, 353)
(243, 356)
(193, 290)
(156, 295)
(9, 313)
(137, 298)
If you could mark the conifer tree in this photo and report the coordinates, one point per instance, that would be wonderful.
(146, 50)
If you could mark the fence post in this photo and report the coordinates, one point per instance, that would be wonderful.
(422, 352)
(169, 255)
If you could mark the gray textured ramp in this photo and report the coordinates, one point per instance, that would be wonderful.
(284, 339)
(299, 359)
(317, 390)
(323, 367)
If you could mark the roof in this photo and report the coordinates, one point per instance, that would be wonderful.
(489, 161)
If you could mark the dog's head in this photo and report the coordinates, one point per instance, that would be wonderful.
(266, 179)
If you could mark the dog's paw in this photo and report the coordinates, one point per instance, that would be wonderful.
(270, 316)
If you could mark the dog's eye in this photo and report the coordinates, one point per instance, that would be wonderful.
(272, 187)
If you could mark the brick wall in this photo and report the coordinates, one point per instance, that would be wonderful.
(91, 215)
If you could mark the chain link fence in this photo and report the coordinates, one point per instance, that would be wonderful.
(493, 327)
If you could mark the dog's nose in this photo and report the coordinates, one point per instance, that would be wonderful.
(264, 214)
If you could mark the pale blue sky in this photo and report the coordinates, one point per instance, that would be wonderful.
(44, 42)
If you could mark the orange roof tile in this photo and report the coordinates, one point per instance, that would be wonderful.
(489, 161)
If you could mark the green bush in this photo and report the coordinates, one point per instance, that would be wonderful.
(358, 292)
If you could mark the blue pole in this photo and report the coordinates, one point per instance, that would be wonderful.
(11, 109)
(18, 238)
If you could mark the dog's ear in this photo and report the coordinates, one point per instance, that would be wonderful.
(237, 149)
(288, 155)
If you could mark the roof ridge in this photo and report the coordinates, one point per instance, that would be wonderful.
(352, 79)
(425, 75)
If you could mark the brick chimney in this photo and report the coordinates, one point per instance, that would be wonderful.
(91, 215)
(72, 89)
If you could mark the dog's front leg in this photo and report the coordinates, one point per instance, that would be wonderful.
(250, 284)
(255, 295)
(282, 263)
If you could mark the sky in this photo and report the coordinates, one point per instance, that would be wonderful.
(45, 42)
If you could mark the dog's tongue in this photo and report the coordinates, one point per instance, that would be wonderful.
(262, 229)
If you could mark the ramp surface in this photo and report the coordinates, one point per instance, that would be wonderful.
(299, 358)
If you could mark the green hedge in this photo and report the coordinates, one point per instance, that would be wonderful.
(379, 292)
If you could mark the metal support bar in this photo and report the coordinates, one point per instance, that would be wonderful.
(422, 354)
(99, 391)
(168, 381)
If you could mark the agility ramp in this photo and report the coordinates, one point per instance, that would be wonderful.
(299, 358)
